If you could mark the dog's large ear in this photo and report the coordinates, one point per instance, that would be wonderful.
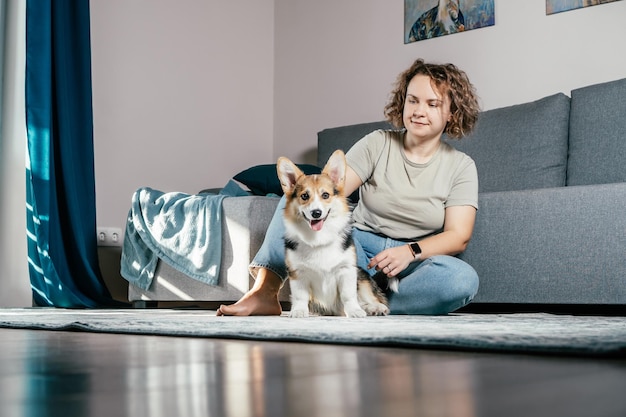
(288, 174)
(335, 168)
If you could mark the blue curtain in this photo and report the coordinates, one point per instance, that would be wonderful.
(61, 213)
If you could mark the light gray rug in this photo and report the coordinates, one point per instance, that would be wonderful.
(522, 333)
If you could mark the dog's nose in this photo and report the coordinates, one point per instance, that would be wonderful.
(316, 214)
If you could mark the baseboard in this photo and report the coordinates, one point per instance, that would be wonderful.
(574, 309)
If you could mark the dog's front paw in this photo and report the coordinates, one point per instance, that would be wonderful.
(356, 312)
(299, 313)
(378, 309)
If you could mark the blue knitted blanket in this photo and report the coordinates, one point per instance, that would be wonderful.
(183, 230)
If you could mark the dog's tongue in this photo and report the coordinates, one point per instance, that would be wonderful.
(317, 224)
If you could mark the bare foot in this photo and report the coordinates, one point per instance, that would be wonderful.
(261, 300)
(251, 304)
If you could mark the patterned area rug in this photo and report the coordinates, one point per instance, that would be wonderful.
(536, 333)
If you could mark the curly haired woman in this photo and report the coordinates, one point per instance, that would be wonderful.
(417, 206)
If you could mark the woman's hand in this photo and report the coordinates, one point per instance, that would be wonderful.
(457, 231)
(392, 261)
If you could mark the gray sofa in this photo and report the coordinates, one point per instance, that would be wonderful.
(551, 226)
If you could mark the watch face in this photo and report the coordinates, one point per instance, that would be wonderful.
(416, 248)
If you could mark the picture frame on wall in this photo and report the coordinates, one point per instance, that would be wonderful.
(558, 6)
(427, 19)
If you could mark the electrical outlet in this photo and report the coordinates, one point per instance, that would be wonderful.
(109, 236)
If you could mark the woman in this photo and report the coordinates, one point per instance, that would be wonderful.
(418, 201)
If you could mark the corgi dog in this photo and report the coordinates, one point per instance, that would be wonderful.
(319, 250)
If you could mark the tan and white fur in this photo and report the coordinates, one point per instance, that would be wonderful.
(319, 250)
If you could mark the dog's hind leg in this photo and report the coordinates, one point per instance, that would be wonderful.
(370, 297)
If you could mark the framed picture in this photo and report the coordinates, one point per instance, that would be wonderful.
(426, 19)
(558, 6)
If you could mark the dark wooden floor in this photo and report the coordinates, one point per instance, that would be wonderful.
(45, 373)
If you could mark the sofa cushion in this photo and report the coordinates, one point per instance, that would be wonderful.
(597, 147)
(520, 147)
(535, 246)
(263, 179)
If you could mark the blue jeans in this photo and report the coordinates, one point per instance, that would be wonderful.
(437, 285)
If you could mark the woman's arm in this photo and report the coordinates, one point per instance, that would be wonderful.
(352, 182)
(457, 231)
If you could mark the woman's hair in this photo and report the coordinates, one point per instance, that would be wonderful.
(447, 79)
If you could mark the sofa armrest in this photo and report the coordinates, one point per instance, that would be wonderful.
(561, 245)
(244, 223)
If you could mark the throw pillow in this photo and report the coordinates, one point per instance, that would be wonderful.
(520, 147)
(263, 179)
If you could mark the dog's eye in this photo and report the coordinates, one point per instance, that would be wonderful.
(325, 196)
(304, 196)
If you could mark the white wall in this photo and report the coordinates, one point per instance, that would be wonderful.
(182, 95)
(188, 93)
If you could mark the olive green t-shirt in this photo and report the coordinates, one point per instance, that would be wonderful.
(404, 200)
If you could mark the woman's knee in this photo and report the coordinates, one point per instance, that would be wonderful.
(461, 275)
(439, 285)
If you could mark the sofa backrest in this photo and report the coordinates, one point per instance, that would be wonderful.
(597, 139)
(551, 142)
(520, 147)
(515, 148)
(331, 139)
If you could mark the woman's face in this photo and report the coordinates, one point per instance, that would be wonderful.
(426, 111)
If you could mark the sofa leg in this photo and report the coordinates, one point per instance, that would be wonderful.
(145, 304)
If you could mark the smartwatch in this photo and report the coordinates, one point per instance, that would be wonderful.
(415, 249)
